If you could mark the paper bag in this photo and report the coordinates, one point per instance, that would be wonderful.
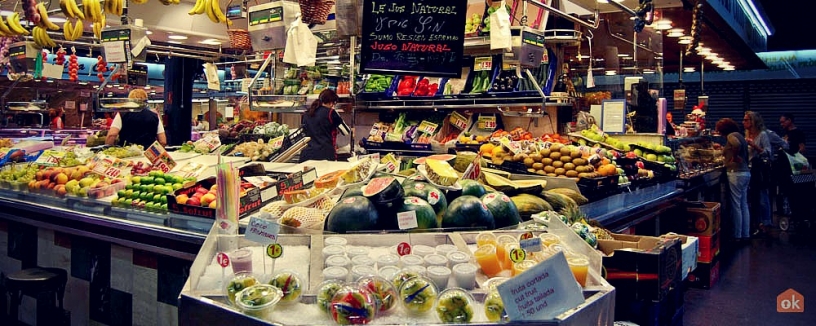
(211, 73)
(500, 37)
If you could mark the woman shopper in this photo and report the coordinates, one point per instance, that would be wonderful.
(759, 158)
(736, 163)
(321, 123)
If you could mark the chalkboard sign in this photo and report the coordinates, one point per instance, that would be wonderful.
(421, 37)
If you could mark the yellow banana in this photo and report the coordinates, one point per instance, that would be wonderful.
(216, 4)
(75, 9)
(45, 22)
(65, 9)
(14, 24)
(120, 7)
(197, 9)
(99, 12)
(78, 29)
(109, 6)
(45, 40)
(4, 28)
(68, 30)
(210, 11)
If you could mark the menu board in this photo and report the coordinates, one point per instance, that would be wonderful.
(418, 37)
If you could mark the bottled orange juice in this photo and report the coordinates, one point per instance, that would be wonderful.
(500, 250)
(579, 267)
(487, 259)
(484, 238)
(507, 263)
(523, 266)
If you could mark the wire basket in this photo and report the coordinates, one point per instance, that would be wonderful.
(239, 39)
(315, 11)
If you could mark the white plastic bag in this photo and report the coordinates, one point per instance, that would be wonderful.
(301, 45)
(500, 37)
(211, 73)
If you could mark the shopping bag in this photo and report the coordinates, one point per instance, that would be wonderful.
(349, 14)
(290, 51)
(500, 37)
(306, 46)
(211, 73)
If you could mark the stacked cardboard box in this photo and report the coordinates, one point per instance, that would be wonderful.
(704, 222)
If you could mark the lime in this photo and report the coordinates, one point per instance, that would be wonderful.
(157, 197)
(121, 193)
(146, 196)
(145, 187)
(147, 180)
(129, 187)
(158, 189)
(164, 207)
(128, 202)
(168, 189)
(158, 181)
(115, 201)
(163, 200)
(129, 193)
(136, 180)
(177, 186)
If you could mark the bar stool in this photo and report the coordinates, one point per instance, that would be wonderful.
(32, 282)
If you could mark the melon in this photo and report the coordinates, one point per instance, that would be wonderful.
(503, 209)
(354, 213)
(354, 190)
(429, 193)
(383, 192)
(440, 157)
(468, 212)
(425, 214)
(416, 177)
(472, 188)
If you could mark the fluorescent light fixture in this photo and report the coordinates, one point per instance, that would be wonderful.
(85, 83)
(149, 32)
(662, 24)
(147, 87)
(624, 55)
(211, 41)
(177, 37)
(175, 42)
(688, 69)
(607, 1)
(109, 86)
(703, 51)
(56, 20)
(611, 73)
(712, 56)
(729, 68)
(753, 14)
(121, 87)
(684, 40)
(675, 34)
(648, 71)
(676, 30)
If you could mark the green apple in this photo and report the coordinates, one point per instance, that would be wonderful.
(158, 181)
(177, 186)
(121, 193)
(136, 180)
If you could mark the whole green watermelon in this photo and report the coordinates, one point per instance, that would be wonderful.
(355, 190)
(504, 211)
(429, 193)
(472, 188)
(354, 213)
(468, 212)
(425, 214)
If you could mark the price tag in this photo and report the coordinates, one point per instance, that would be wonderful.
(483, 63)
(514, 147)
(517, 255)
(403, 249)
(487, 122)
(277, 142)
(262, 231)
(531, 244)
(162, 166)
(542, 292)
(222, 259)
(157, 155)
(526, 235)
(427, 127)
(458, 120)
(104, 169)
(407, 220)
(274, 250)
(50, 157)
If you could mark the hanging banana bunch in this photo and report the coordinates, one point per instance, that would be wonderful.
(41, 38)
(98, 26)
(115, 7)
(12, 26)
(71, 9)
(213, 10)
(45, 21)
(72, 32)
(169, 2)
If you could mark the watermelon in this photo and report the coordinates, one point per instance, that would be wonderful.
(425, 214)
(429, 193)
(354, 213)
(416, 177)
(354, 190)
(439, 157)
(503, 209)
(384, 192)
(472, 188)
(468, 212)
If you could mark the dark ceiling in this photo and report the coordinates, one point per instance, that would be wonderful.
(790, 20)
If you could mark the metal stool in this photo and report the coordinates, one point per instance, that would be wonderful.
(33, 282)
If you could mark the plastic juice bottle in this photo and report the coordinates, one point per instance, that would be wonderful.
(579, 267)
(500, 250)
(486, 258)
(507, 263)
(485, 238)
(518, 268)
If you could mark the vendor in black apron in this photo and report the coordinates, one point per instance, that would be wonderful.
(321, 123)
(141, 128)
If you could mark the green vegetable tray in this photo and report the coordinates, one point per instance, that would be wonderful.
(387, 94)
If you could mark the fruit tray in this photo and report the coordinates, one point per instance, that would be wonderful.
(248, 203)
(596, 188)
(396, 146)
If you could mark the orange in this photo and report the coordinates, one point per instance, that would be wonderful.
(481, 139)
(486, 149)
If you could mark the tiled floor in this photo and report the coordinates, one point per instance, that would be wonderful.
(752, 275)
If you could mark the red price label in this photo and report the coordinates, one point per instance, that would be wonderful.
(526, 235)
(483, 63)
(277, 142)
(162, 166)
(222, 259)
(427, 127)
(274, 250)
(107, 171)
(403, 249)
(517, 255)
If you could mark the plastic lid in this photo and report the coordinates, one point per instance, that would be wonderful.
(409, 260)
(502, 239)
(389, 272)
(445, 249)
(356, 251)
(363, 270)
(438, 271)
(338, 260)
(465, 268)
(388, 259)
(334, 250)
(240, 253)
(421, 270)
(423, 250)
(362, 260)
(437, 260)
(330, 241)
(268, 294)
(458, 257)
(335, 272)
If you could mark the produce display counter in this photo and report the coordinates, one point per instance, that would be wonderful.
(621, 211)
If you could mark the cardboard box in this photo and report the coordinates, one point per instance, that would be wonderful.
(248, 203)
(702, 218)
(690, 246)
(706, 275)
(642, 267)
(709, 248)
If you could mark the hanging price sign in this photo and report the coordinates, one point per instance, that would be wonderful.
(222, 259)
(526, 235)
(403, 249)
(482, 63)
(274, 250)
(458, 120)
(277, 142)
(427, 127)
(487, 122)
(50, 157)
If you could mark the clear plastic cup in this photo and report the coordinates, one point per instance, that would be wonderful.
(548, 239)
(360, 271)
(522, 266)
(239, 282)
(439, 275)
(388, 272)
(336, 273)
(291, 285)
(484, 238)
(356, 251)
(580, 267)
(416, 269)
(418, 295)
(258, 300)
(339, 241)
(456, 306)
(494, 282)
(338, 260)
(445, 249)
(325, 292)
(411, 260)
(388, 260)
(436, 260)
(241, 260)
(384, 293)
(423, 250)
(333, 250)
(362, 260)
(465, 275)
(458, 257)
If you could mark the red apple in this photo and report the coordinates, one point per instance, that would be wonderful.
(195, 201)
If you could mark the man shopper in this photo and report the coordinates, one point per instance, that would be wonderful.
(794, 136)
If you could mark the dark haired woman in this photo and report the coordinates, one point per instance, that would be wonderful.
(321, 123)
(736, 164)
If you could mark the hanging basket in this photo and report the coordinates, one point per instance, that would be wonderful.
(239, 39)
(315, 11)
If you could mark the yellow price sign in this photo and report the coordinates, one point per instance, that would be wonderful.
(274, 250)
(517, 255)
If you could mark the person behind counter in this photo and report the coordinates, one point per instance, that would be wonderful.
(142, 127)
(321, 123)
(56, 118)
(200, 124)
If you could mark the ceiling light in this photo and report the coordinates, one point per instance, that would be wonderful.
(712, 56)
(109, 86)
(177, 37)
(211, 41)
(623, 55)
(703, 51)
(648, 71)
(673, 34)
(149, 32)
(175, 42)
(688, 69)
(147, 87)
(607, 1)
(662, 24)
(729, 68)
(684, 40)
(611, 72)
(121, 87)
